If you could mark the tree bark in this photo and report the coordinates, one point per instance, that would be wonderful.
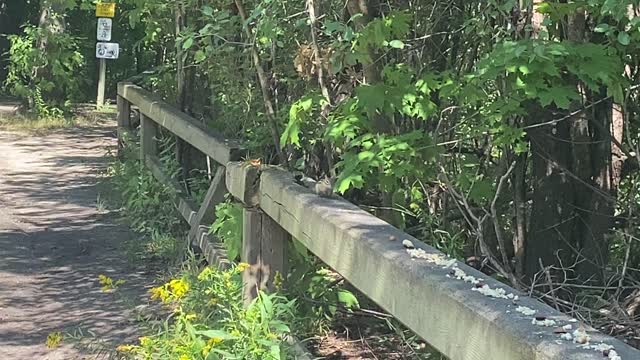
(264, 86)
(367, 9)
(551, 224)
(51, 24)
(188, 158)
(575, 181)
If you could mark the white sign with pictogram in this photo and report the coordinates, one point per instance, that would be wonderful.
(104, 29)
(107, 50)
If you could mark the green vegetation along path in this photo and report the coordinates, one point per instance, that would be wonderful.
(55, 240)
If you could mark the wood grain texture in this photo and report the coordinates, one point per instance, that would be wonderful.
(148, 135)
(251, 236)
(264, 245)
(273, 252)
(182, 125)
(461, 323)
(124, 122)
(243, 182)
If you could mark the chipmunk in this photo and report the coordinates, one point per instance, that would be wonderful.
(323, 187)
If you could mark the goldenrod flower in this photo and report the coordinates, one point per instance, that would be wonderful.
(242, 267)
(278, 280)
(179, 287)
(145, 341)
(108, 284)
(184, 357)
(205, 274)
(215, 340)
(210, 344)
(160, 293)
(54, 339)
(126, 348)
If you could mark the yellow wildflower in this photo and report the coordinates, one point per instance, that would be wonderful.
(179, 287)
(215, 340)
(210, 344)
(278, 280)
(243, 266)
(160, 293)
(184, 357)
(54, 339)
(145, 341)
(190, 317)
(108, 284)
(205, 274)
(126, 348)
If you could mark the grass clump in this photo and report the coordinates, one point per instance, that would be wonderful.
(147, 205)
(40, 125)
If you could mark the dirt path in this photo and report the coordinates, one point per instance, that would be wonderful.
(54, 243)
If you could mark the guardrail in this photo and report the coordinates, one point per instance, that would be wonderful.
(461, 312)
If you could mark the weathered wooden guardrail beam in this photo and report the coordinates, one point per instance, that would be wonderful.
(185, 127)
(444, 301)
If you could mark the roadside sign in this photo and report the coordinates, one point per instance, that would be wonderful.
(106, 10)
(104, 29)
(107, 50)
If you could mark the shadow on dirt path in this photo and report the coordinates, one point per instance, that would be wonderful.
(54, 242)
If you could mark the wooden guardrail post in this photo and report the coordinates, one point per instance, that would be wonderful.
(124, 122)
(264, 245)
(148, 134)
(264, 241)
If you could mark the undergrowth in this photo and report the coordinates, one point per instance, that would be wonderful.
(207, 319)
(38, 125)
(147, 205)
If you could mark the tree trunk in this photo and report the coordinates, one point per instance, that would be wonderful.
(51, 24)
(367, 10)
(551, 224)
(185, 82)
(575, 181)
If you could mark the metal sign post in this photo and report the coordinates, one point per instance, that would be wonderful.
(104, 50)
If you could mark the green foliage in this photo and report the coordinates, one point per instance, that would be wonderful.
(228, 227)
(544, 71)
(210, 322)
(148, 205)
(321, 295)
(382, 34)
(385, 160)
(49, 79)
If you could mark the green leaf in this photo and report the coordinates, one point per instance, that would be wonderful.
(348, 299)
(207, 10)
(216, 334)
(396, 44)
(187, 43)
(624, 38)
(199, 56)
(276, 353)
